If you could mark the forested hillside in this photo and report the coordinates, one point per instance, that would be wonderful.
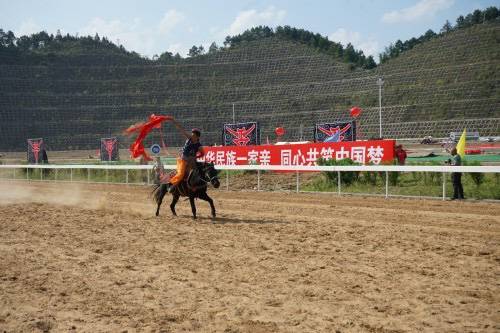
(74, 90)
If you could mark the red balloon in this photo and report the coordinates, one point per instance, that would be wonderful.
(355, 112)
(280, 131)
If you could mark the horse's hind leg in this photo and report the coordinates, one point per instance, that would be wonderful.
(193, 207)
(173, 203)
(204, 196)
(160, 198)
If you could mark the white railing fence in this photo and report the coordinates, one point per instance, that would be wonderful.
(142, 174)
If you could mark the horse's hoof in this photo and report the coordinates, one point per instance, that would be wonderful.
(157, 214)
(194, 217)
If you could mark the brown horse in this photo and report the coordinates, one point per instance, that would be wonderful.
(195, 186)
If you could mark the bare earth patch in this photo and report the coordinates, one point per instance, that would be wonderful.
(93, 258)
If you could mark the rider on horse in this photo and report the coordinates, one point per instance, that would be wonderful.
(191, 150)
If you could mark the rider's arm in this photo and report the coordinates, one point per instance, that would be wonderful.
(200, 152)
(181, 129)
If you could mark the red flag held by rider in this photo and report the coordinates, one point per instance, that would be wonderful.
(137, 148)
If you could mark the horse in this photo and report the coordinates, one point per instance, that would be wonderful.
(195, 186)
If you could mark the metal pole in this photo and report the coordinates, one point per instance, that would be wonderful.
(444, 185)
(338, 182)
(297, 185)
(55, 174)
(41, 174)
(126, 176)
(71, 174)
(107, 176)
(380, 82)
(227, 180)
(27, 174)
(88, 175)
(258, 180)
(386, 184)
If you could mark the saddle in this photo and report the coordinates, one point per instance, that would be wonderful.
(192, 180)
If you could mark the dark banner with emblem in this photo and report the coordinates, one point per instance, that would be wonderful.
(335, 132)
(109, 149)
(36, 151)
(241, 134)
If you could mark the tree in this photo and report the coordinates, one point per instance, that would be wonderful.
(213, 48)
(370, 63)
(165, 57)
(491, 13)
(196, 51)
(447, 27)
(460, 22)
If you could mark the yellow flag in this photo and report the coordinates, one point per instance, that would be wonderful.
(461, 145)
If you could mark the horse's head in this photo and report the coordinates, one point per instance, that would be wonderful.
(210, 174)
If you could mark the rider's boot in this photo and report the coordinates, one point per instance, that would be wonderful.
(171, 188)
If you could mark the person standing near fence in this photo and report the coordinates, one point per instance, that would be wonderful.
(401, 155)
(456, 177)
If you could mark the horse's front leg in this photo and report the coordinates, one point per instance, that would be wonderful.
(204, 196)
(193, 207)
(175, 198)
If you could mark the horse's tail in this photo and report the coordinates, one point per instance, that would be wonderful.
(159, 191)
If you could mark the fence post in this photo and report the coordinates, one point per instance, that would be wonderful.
(444, 185)
(297, 186)
(126, 176)
(55, 174)
(88, 175)
(338, 182)
(386, 184)
(71, 175)
(107, 176)
(227, 180)
(258, 180)
(14, 173)
(41, 174)
(27, 174)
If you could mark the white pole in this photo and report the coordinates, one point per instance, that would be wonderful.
(380, 83)
(338, 181)
(386, 184)
(297, 188)
(444, 185)
(258, 180)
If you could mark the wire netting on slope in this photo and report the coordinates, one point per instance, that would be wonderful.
(438, 87)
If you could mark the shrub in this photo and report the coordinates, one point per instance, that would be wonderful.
(346, 177)
(477, 177)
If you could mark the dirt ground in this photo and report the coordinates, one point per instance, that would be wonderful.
(93, 258)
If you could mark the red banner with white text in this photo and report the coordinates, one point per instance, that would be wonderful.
(364, 152)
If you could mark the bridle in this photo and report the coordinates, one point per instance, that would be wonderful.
(204, 177)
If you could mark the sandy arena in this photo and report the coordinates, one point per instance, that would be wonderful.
(93, 258)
